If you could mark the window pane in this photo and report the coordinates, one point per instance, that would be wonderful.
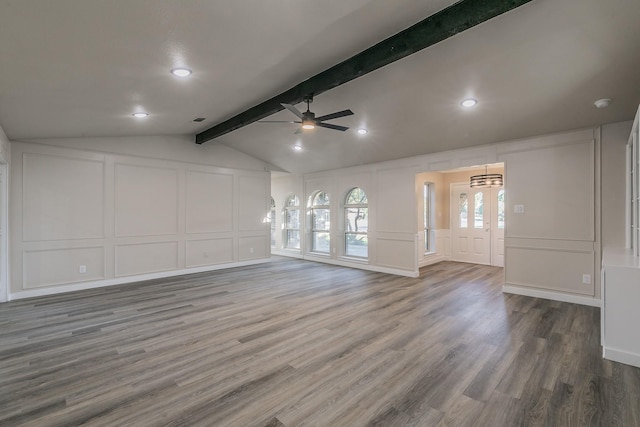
(293, 218)
(357, 245)
(478, 220)
(293, 201)
(462, 210)
(320, 241)
(321, 219)
(357, 197)
(501, 209)
(321, 199)
(357, 220)
(293, 239)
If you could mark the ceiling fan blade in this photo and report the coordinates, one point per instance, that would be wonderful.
(330, 126)
(277, 121)
(298, 131)
(342, 113)
(293, 109)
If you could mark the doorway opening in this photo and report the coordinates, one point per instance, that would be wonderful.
(457, 222)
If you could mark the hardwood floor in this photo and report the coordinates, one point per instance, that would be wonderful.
(294, 343)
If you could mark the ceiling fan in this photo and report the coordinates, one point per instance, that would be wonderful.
(308, 120)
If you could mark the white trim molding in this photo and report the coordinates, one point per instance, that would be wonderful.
(621, 356)
(128, 279)
(555, 296)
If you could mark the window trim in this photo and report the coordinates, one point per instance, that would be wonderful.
(428, 195)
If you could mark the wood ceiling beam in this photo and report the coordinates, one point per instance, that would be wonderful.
(434, 29)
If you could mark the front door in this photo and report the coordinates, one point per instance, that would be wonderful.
(470, 224)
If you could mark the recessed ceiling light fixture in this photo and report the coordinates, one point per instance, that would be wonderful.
(140, 115)
(362, 131)
(297, 147)
(602, 103)
(181, 72)
(469, 102)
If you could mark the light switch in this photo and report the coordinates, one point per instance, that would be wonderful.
(518, 208)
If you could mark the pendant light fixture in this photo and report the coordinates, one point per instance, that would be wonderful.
(486, 180)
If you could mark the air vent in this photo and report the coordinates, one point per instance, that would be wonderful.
(199, 119)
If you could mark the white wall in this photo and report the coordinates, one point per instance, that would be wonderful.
(392, 232)
(127, 216)
(614, 140)
(548, 248)
(281, 188)
(553, 243)
(5, 158)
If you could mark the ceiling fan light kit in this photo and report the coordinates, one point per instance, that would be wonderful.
(308, 119)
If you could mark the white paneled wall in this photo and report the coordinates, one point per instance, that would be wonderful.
(548, 248)
(86, 218)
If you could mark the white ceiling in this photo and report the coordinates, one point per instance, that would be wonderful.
(75, 68)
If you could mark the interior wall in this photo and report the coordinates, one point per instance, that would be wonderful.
(281, 188)
(549, 247)
(613, 160)
(84, 218)
(392, 227)
(5, 159)
(550, 236)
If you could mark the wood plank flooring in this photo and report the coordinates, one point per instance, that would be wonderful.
(293, 343)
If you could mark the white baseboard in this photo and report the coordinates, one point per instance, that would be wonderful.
(290, 254)
(129, 279)
(432, 259)
(621, 356)
(346, 263)
(555, 296)
(369, 267)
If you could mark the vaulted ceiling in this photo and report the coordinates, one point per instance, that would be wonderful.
(78, 68)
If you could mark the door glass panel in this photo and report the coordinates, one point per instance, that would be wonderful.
(462, 210)
(501, 209)
(478, 218)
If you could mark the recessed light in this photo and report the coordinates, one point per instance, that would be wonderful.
(181, 72)
(602, 103)
(297, 147)
(362, 131)
(140, 115)
(469, 102)
(199, 119)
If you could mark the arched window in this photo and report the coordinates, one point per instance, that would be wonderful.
(292, 222)
(272, 220)
(320, 223)
(356, 224)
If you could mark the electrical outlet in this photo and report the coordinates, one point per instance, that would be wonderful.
(82, 269)
(250, 250)
(586, 279)
(518, 209)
